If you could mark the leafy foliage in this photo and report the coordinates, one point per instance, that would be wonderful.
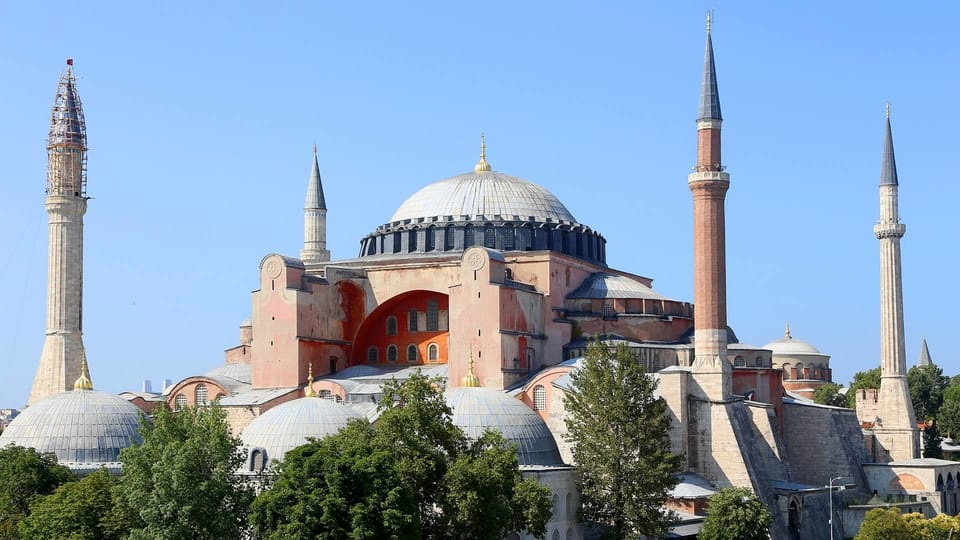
(413, 474)
(76, 510)
(25, 475)
(179, 483)
(829, 394)
(949, 416)
(862, 380)
(927, 386)
(735, 513)
(932, 440)
(884, 524)
(622, 446)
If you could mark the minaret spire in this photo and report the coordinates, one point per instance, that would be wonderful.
(709, 184)
(924, 359)
(62, 355)
(896, 432)
(315, 218)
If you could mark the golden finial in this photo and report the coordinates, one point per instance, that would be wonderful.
(309, 391)
(470, 380)
(482, 165)
(84, 382)
(888, 110)
(786, 333)
(709, 20)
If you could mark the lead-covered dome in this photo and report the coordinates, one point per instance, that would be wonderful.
(477, 409)
(288, 425)
(484, 195)
(83, 428)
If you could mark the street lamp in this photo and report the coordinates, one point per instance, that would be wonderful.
(830, 487)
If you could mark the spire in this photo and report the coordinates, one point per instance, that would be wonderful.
(888, 165)
(709, 96)
(309, 391)
(315, 200)
(67, 140)
(482, 165)
(786, 332)
(84, 382)
(470, 380)
(924, 355)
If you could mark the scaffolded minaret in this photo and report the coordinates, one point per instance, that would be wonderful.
(895, 431)
(63, 353)
(315, 219)
(709, 183)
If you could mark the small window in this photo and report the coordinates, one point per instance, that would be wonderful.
(200, 395)
(412, 320)
(412, 354)
(433, 316)
(412, 241)
(508, 237)
(539, 398)
(397, 241)
(391, 326)
(391, 353)
(449, 241)
(430, 241)
(433, 353)
(327, 394)
(373, 355)
(179, 402)
(739, 362)
(489, 237)
(556, 534)
(256, 460)
(467, 236)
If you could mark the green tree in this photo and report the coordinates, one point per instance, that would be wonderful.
(735, 513)
(927, 386)
(829, 394)
(180, 482)
(884, 524)
(413, 474)
(76, 510)
(25, 475)
(862, 380)
(622, 448)
(932, 440)
(949, 416)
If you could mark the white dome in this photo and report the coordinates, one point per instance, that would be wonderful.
(487, 194)
(82, 427)
(788, 346)
(477, 409)
(289, 424)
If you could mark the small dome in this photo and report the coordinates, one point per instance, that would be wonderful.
(238, 371)
(288, 425)
(82, 427)
(601, 285)
(789, 346)
(477, 409)
(484, 193)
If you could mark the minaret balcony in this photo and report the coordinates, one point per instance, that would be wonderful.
(889, 230)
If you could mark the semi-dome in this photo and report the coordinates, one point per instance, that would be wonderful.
(485, 194)
(477, 409)
(288, 426)
(84, 428)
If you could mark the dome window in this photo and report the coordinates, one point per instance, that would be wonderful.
(200, 395)
(397, 241)
(489, 237)
(430, 243)
(508, 237)
(448, 238)
(539, 398)
(412, 240)
(179, 402)
(467, 236)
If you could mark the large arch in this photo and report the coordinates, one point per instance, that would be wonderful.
(372, 331)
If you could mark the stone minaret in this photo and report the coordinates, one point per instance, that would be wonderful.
(315, 219)
(63, 353)
(709, 183)
(924, 359)
(896, 430)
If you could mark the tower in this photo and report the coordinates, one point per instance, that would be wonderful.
(708, 184)
(66, 202)
(924, 359)
(896, 428)
(315, 219)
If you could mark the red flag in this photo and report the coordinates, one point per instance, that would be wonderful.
(69, 61)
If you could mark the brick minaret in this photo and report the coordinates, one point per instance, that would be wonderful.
(709, 183)
(63, 353)
(896, 427)
(315, 219)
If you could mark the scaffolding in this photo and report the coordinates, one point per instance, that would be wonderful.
(67, 142)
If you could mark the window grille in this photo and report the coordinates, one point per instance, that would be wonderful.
(179, 402)
(412, 355)
(433, 316)
(391, 326)
(433, 353)
(539, 398)
(373, 355)
(200, 395)
(392, 353)
(412, 320)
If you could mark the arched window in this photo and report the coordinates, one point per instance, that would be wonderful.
(556, 534)
(449, 242)
(200, 395)
(412, 320)
(525, 239)
(467, 236)
(412, 354)
(433, 316)
(508, 237)
(391, 353)
(391, 326)
(412, 241)
(430, 242)
(564, 240)
(373, 355)
(219, 396)
(786, 371)
(433, 353)
(739, 361)
(489, 236)
(539, 398)
(179, 402)
(556, 512)
(397, 240)
(256, 460)
(326, 394)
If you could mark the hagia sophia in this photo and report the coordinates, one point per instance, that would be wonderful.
(489, 282)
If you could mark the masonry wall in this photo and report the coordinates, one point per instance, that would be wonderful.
(809, 430)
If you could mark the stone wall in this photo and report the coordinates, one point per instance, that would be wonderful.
(810, 430)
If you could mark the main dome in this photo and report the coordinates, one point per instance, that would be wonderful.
(487, 194)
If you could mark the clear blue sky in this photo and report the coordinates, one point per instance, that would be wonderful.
(202, 115)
